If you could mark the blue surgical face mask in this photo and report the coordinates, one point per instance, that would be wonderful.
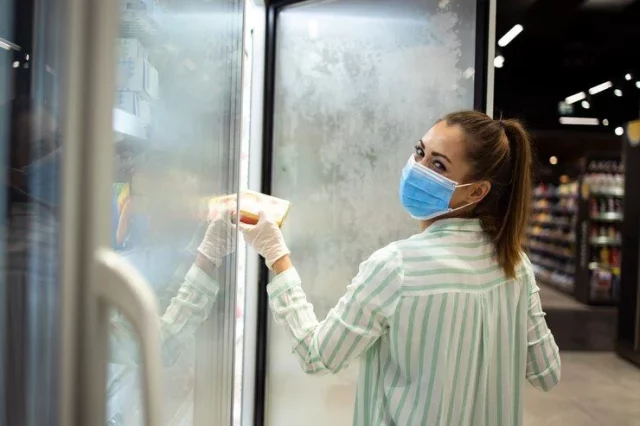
(424, 193)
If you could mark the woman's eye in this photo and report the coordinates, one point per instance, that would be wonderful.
(419, 151)
(438, 165)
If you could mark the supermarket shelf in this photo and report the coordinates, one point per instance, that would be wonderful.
(554, 209)
(551, 238)
(607, 192)
(127, 125)
(605, 241)
(554, 195)
(546, 277)
(554, 265)
(550, 252)
(607, 217)
(551, 223)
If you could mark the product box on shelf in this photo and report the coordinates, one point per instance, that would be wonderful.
(133, 103)
(138, 75)
(147, 5)
(131, 48)
(251, 203)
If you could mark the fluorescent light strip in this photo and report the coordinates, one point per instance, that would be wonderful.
(510, 35)
(575, 98)
(600, 88)
(7, 45)
(579, 121)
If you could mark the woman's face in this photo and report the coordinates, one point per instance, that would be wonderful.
(442, 150)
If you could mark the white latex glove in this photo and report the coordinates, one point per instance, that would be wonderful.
(219, 240)
(266, 238)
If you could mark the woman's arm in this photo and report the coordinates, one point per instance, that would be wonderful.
(189, 308)
(354, 325)
(543, 355)
(191, 305)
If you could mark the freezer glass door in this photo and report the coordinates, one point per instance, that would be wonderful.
(357, 83)
(176, 121)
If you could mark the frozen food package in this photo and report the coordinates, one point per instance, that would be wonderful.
(251, 203)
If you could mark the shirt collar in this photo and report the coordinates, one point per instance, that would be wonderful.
(454, 225)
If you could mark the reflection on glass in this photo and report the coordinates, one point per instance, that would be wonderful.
(31, 156)
(177, 147)
(356, 83)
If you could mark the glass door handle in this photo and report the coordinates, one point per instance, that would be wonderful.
(122, 287)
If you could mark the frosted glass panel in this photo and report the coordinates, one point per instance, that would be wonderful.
(357, 84)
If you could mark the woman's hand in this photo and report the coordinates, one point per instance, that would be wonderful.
(219, 240)
(266, 238)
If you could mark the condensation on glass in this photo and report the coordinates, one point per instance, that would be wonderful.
(177, 145)
(357, 84)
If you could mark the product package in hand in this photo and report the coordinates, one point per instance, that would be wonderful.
(251, 204)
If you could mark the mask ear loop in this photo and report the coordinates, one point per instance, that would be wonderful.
(462, 207)
(466, 205)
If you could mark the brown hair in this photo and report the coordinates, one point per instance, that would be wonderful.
(500, 152)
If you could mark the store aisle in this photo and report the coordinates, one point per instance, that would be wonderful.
(596, 389)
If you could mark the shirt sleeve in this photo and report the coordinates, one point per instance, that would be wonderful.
(189, 308)
(358, 320)
(543, 355)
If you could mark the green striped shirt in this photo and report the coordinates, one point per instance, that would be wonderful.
(443, 337)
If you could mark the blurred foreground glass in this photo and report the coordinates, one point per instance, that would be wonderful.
(31, 155)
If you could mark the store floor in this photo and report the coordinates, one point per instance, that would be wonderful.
(596, 389)
(576, 326)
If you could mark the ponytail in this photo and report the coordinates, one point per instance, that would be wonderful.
(517, 196)
(500, 152)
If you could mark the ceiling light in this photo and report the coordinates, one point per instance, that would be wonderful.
(600, 87)
(579, 121)
(628, 77)
(638, 84)
(16, 64)
(585, 104)
(605, 122)
(575, 98)
(4, 45)
(553, 160)
(618, 93)
(510, 35)
(498, 61)
(619, 131)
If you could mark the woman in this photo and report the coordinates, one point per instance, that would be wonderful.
(448, 323)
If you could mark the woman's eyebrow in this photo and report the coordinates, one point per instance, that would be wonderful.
(437, 154)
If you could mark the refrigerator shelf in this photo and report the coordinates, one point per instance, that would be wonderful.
(607, 192)
(607, 217)
(605, 241)
(141, 24)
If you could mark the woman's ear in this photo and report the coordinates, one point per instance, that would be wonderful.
(479, 191)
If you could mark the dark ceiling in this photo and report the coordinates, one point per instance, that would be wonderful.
(568, 46)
